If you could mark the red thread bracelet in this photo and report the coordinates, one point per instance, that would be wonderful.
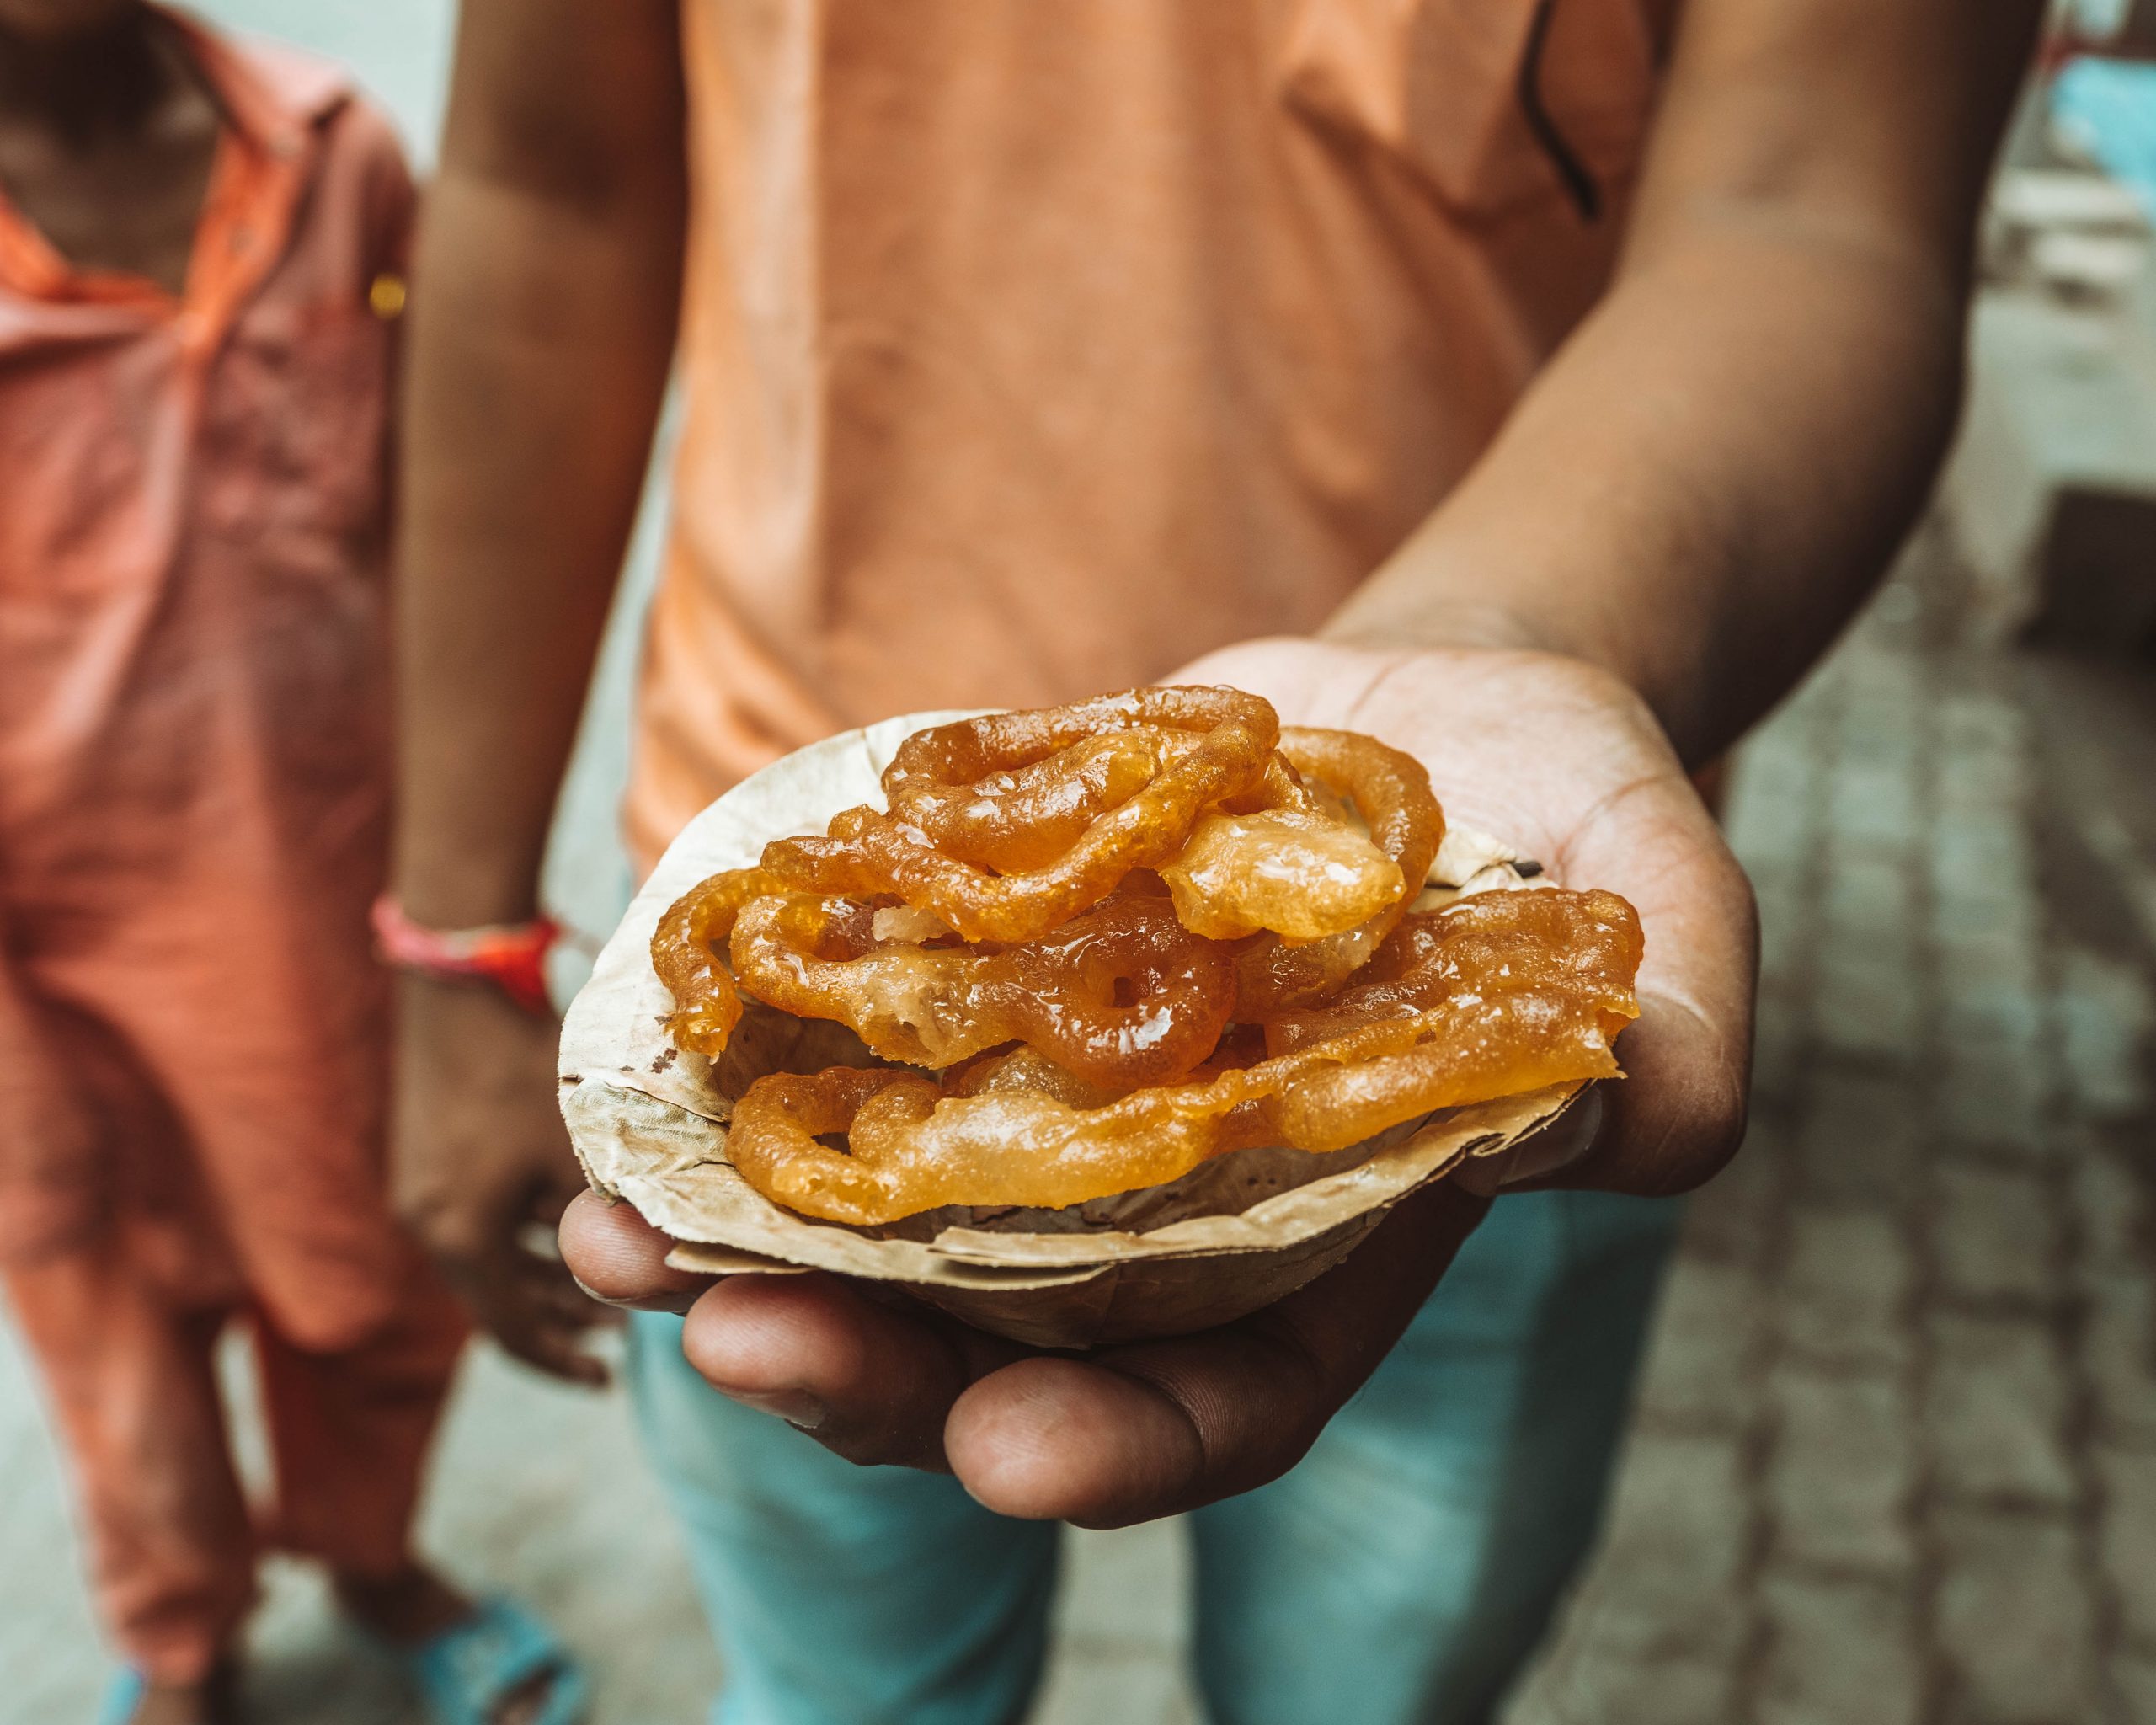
(511, 955)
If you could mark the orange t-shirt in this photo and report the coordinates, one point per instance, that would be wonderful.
(1031, 349)
(194, 745)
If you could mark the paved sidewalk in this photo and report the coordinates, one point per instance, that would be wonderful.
(1895, 1455)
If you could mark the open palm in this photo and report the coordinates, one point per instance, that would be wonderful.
(1553, 755)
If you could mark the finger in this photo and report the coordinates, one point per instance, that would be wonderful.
(553, 1348)
(871, 1381)
(1156, 1428)
(544, 1286)
(619, 1257)
(1678, 1115)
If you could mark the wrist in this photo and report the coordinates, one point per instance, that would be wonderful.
(1435, 622)
(1427, 599)
(508, 959)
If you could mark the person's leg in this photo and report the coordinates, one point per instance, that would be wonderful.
(840, 1595)
(135, 1395)
(350, 1433)
(1405, 1571)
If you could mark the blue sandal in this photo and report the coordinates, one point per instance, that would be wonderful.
(464, 1674)
(122, 1697)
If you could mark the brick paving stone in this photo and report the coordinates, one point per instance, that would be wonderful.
(1093, 1685)
(2127, 1536)
(1785, 937)
(1975, 726)
(1873, 805)
(1973, 787)
(1117, 1583)
(2134, 1681)
(2004, 912)
(2117, 1353)
(2103, 1010)
(1680, 1519)
(1583, 1687)
(1658, 1619)
(1873, 728)
(1980, 956)
(1865, 1006)
(1838, 1652)
(1735, 1216)
(1995, 1407)
(1982, 862)
(1993, 1234)
(2017, 1620)
(1842, 1471)
(1771, 818)
(1979, 851)
(2109, 1211)
(1709, 1333)
(1849, 1278)
(1855, 947)
(1860, 1140)
(1781, 1053)
(1870, 896)
(1995, 1022)
(2001, 1105)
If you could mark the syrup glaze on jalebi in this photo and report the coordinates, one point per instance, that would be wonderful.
(1068, 913)
(685, 952)
(1121, 994)
(911, 1146)
(869, 851)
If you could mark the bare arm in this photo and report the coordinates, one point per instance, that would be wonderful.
(548, 278)
(1715, 470)
(549, 271)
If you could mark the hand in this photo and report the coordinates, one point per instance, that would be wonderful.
(1552, 754)
(483, 1168)
(1565, 762)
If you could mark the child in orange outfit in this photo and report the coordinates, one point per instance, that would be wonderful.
(202, 248)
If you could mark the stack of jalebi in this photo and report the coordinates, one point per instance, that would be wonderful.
(1102, 942)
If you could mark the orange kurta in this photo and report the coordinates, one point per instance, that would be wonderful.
(1033, 349)
(194, 736)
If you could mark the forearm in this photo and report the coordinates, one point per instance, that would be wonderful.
(1711, 474)
(548, 266)
(540, 350)
(1707, 481)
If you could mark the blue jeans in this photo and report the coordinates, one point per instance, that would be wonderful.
(1401, 1574)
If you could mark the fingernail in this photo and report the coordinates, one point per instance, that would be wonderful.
(1557, 1145)
(797, 1407)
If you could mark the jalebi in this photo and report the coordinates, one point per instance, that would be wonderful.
(1017, 819)
(868, 852)
(1004, 926)
(1120, 995)
(685, 953)
(1493, 943)
(1391, 792)
(1544, 1015)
